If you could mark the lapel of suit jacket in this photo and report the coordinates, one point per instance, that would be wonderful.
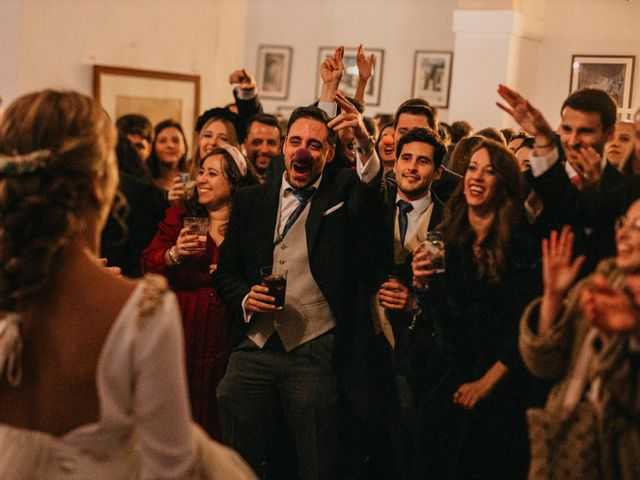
(319, 204)
(266, 217)
(437, 214)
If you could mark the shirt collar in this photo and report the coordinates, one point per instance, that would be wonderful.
(285, 185)
(420, 205)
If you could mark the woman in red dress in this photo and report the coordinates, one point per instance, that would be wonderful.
(187, 260)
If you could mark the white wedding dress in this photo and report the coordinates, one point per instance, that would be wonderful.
(144, 430)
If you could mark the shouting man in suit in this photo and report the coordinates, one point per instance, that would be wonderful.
(296, 360)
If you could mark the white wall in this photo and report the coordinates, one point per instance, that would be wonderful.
(400, 27)
(10, 32)
(54, 43)
(594, 27)
(535, 57)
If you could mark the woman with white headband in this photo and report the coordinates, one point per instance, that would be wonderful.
(187, 257)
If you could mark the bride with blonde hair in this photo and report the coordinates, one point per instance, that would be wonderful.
(93, 382)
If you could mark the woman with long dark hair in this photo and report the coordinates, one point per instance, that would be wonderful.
(472, 407)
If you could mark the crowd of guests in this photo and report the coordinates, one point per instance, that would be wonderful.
(519, 357)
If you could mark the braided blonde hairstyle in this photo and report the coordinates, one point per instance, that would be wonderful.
(56, 154)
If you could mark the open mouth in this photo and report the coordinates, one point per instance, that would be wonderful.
(476, 190)
(301, 168)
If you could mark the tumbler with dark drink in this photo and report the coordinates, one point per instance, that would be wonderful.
(275, 279)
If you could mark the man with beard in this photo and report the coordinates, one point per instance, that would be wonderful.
(263, 142)
(306, 364)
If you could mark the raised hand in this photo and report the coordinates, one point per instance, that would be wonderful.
(612, 310)
(559, 270)
(177, 191)
(365, 65)
(242, 79)
(529, 118)
(331, 70)
(587, 163)
(349, 118)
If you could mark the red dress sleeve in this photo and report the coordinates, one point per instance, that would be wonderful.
(168, 230)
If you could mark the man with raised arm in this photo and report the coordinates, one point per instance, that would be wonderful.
(566, 167)
(308, 360)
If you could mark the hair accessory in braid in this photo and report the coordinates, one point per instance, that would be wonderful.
(15, 165)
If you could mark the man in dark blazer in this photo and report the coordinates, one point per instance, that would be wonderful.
(311, 358)
(566, 169)
(412, 210)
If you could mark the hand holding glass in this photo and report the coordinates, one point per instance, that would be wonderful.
(275, 279)
(433, 244)
(198, 226)
(189, 184)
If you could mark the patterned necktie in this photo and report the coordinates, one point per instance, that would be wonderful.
(303, 197)
(403, 209)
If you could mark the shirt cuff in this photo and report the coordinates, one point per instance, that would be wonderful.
(330, 108)
(368, 171)
(248, 94)
(247, 315)
(539, 165)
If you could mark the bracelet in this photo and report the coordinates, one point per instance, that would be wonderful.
(173, 256)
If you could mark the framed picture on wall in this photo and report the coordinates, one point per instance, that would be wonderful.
(611, 73)
(156, 95)
(350, 77)
(273, 71)
(432, 77)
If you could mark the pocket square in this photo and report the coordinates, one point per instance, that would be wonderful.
(333, 209)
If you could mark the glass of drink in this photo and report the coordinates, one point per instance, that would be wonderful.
(433, 244)
(275, 279)
(198, 226)
(189, 184)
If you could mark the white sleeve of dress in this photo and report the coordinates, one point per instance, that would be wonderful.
(160, 400)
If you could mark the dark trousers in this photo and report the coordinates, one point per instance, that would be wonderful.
(263, 385)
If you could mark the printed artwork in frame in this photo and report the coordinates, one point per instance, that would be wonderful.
(274, 71)
(611, 73)
(350, 77)
(154, 94)
(432, 77)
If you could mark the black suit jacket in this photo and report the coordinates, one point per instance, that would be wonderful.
(123, 241)
(591, 212)
(333, 242)
(446, 184)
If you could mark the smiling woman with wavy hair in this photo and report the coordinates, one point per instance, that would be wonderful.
(473, 407)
